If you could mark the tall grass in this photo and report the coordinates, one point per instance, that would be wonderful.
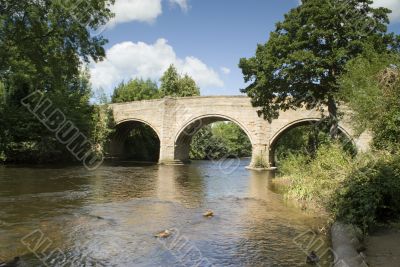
(312, 180)
(362, 190)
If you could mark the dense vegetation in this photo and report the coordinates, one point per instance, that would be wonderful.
(306, 140)
(220, 140)
(365, 189)
(43, 46)
(371, 88)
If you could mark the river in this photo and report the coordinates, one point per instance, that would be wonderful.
(68, 216)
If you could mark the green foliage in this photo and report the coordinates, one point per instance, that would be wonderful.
(313, 180)
(43, 45)
(308, 51)
(172, 84)
(169, 82)
(371, 87)
(102, 128)
(220, 140)
(233, 138)
(142, 144)
(261, 162)
(206, 146)
(370, 194)
(135, 90)
(306, 140)
(2, 95)
(187, 87)
(26, 139)
(303, 139)
(362, 191)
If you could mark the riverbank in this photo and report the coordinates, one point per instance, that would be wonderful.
(383, 247)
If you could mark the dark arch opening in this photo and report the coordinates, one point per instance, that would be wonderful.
(305, 137)
(200, 132)
(135, 141)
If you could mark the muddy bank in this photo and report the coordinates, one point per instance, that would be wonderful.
(383, 248)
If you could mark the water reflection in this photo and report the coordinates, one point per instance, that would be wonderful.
(108, 217)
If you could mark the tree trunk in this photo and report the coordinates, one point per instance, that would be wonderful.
(333, 120)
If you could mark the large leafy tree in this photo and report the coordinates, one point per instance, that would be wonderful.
(43, 43)
(135, 90)
(307, 53)
(173, 84)
(43, 46)
(371, 87)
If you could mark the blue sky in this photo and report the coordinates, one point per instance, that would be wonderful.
(204, 38)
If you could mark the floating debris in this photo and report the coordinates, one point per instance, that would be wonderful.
(163, 234)
(208, 214)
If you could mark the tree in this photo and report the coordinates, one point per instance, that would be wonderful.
(135, 90)
(169, 82)
(371, 87)
(172, 84)
(205, 146)
(43, 43)
(221, 139)
(43, 46)
(307, 53)
(233, 138)
(187, 87)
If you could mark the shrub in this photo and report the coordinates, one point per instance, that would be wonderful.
(314, 180)
(261, 162)
(370, 194)
(362, 191)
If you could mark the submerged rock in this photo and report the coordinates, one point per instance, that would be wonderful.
(208, 214)
(312, 258)
(12, 263)
(163, 234)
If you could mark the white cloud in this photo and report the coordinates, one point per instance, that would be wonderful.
(135, 10)
(183, 4)
(129, 60)
(225, 70)
(140, 10)
(393, 5)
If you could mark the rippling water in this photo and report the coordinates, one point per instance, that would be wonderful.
(71, 217)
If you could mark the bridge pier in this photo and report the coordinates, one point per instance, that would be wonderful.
(260, 158)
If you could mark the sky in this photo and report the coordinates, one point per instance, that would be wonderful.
(202, 38)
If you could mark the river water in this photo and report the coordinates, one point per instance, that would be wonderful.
(69, 216)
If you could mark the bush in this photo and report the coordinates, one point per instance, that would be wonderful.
(313, 180)
(370, 194)
(362, 191)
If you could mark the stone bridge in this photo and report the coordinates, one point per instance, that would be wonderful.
(176, 120)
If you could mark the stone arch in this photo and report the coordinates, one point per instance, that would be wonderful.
(185, 134)
(297, 123)
(122, 130)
